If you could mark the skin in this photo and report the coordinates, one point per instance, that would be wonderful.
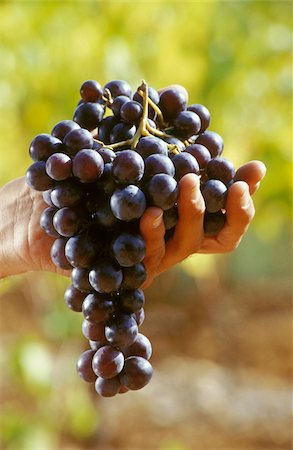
(25, 247)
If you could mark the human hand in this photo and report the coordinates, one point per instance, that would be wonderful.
(189, 235)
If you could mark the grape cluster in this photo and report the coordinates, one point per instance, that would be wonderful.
(121, 153)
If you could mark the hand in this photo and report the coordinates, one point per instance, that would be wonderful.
(189, 236)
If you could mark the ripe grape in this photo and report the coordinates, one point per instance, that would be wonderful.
(163, 191)
(187, 124)
(119, 87)
(107, 362)
(89, 115)
(84, 366)
(128, 167)
(128, 249)
(137, 372)
(97, 307)
(214, 193)
(58, 166)
(106, 276)
(87, 166)
(121, 330)
(203, 113)
(172, 102)
(74, 298)
(184, 163)
(107, 388)
(128, 204)
(212, 141)
(61, 129)
(91, 91)
(43, 146)
(37, 178)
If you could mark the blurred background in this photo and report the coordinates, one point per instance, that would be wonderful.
(220, 326)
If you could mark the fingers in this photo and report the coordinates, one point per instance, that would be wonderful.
(188, 233)
(152, 230)
(239, 213)
(252, 173)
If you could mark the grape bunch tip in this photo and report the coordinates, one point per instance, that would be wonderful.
(122, 152)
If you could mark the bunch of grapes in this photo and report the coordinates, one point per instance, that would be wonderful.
(121, 153)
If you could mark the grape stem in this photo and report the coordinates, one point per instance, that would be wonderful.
(155, 108)
(107, 97)
(142, 128)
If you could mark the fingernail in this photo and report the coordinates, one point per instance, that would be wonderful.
(157, 221)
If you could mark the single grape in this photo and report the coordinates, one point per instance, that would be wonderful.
(107, 362)
(121, 330)
(128, 167)
(221, 169)
(84, 366)
(131, 300)
(137, 373)
(43, 146)
(107, 154)
(61, 129)
(158, 163)
(214, 193)
(134, 276)
(87, 166)
(128, 204)
(214, 222)
(67, 193)
(106, 276)
(200, 153)
(94, 331)
(119, 87)
(128, 249)
(78, 139)
(105, 128)
(80, 280)
(103, 215)
(131, 112)
(74, 298)
(46, 221)
(47, 197)
(37, 177)
(91, 91)
(106, 181)
(187, 124)
(162, 191)
(68, 221)
(58, 166)
(58, 254)
(122, 132)
(149, 145)
(81, 251)
(203, 113)
(108, 388)
(172, 102)
(89, 115)
(212, 141)
(97, 307)
(184, 163)
(140, 347)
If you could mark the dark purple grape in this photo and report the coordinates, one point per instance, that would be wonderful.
(78, 139)
(107, 362)
(107, 388)
(68, 221)
(47, 197)
(121, 330)
(94, 331)
(89, 115)
(212, 141)
(131, 112)
(91, 91)
(203, 113)
(214, 222)
(84, 366)
(107, 154)
(74, 298)
(184, 163)
(122, 132)
(128, 249)
(118, 103)
(149, 145)
(58, 254)
(158, 163)
(87, 166)
(172, 102)
(43, 146)
(97, 307)
(66, 193)
(221, 169)
(128, 167)
(37, 177)
(119, 87)
(214, 193)
(200, 153)
(105, 129)
(80, 280)
(170, 217)
(134, 276)
(140, 347)
(58, 166)
(103, 215)
(163, 191)
(106, 276)
(46, 221)
(81, 251)
(106, 181)
(137, 373)
(131, 300)
(187, 124)
(128, 203)
(62, 128)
